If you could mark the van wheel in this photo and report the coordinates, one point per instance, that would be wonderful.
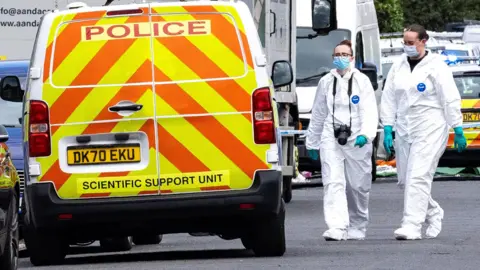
(268, 238)
(9, 258)
(147, 239)
(287, 189)
(44, 248)
(117, 243)
(247, 242)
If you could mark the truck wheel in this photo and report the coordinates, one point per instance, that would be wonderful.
(44, 248)
(287, 189)
(147, 239)
(9, 258)
(117, 243)
(268, 238)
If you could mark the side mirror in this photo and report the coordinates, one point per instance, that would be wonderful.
(323, 16)
(282, 73)
(3, 134)
(372, 75)
(10, 89)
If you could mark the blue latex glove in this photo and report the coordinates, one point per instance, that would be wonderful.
(459, 142)
(361, 141)
(313, 154)
(388, 139)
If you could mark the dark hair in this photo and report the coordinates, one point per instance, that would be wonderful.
(345, 42)
(420, 30)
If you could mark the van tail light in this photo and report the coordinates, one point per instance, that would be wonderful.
(39, 141)
(263, 122)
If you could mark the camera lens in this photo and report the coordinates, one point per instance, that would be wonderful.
(342, 138)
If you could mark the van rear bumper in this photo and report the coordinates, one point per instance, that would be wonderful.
(214, 212)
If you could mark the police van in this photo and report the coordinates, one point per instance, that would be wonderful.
(149, 119)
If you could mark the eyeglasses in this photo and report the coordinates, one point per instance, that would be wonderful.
(341, 54)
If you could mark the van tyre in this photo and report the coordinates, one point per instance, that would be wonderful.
(268, 238)
(287, 189)
(115, 244)
(9, 258)
(147, 239)
(44, 248)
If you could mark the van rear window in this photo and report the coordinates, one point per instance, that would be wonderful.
(468, 86)
(181, 47)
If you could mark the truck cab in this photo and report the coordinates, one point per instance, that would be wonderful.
(317, 36)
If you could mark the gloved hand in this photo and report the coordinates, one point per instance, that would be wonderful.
(387, 139)
(361, 141)
(313, 154)
(459, 142)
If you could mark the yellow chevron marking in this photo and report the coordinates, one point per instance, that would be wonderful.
(220, 54)
(75, 62)
(201, 147)
(232, 12)
(120, 72)
(208, 98)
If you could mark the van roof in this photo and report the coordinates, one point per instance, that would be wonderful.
(138, 6)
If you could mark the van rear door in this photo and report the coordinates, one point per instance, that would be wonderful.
(98, 86)
(204, 79)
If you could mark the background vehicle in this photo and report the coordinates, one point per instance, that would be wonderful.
(9, 194)
(11, 119)
(353, 19)
(467, 79)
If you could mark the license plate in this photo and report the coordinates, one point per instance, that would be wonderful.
(104, 154)
(471, 117)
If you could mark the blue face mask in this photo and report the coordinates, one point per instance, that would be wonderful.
(341, 62)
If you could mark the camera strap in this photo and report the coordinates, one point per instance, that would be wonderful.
(350, 82)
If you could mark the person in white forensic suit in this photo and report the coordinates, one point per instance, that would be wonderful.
(421, 101)
(342, 128)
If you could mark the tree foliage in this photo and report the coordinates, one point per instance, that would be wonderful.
(394, 15)
(389, 15)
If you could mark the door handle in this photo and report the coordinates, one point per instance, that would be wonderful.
(128, 107)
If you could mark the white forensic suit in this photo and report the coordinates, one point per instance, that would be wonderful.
(420, 105)
(347, 169)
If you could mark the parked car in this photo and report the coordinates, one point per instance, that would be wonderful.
(9, 198)
(11, 119)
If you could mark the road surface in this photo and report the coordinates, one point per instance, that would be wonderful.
(455, 248)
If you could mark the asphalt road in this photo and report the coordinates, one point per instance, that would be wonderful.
(456, 247)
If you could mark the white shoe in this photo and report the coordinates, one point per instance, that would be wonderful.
(335, 235)
(300, 179)
(434, 224)
(407, 233)
(355, 234)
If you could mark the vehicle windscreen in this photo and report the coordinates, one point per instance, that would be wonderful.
(314, 53)
(11, 112)
(468, 86)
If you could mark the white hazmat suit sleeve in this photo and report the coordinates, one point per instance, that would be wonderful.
(449, 95)
(319, 113)
(368, 109)
(388, 104)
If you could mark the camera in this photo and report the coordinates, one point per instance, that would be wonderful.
(342, 133)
